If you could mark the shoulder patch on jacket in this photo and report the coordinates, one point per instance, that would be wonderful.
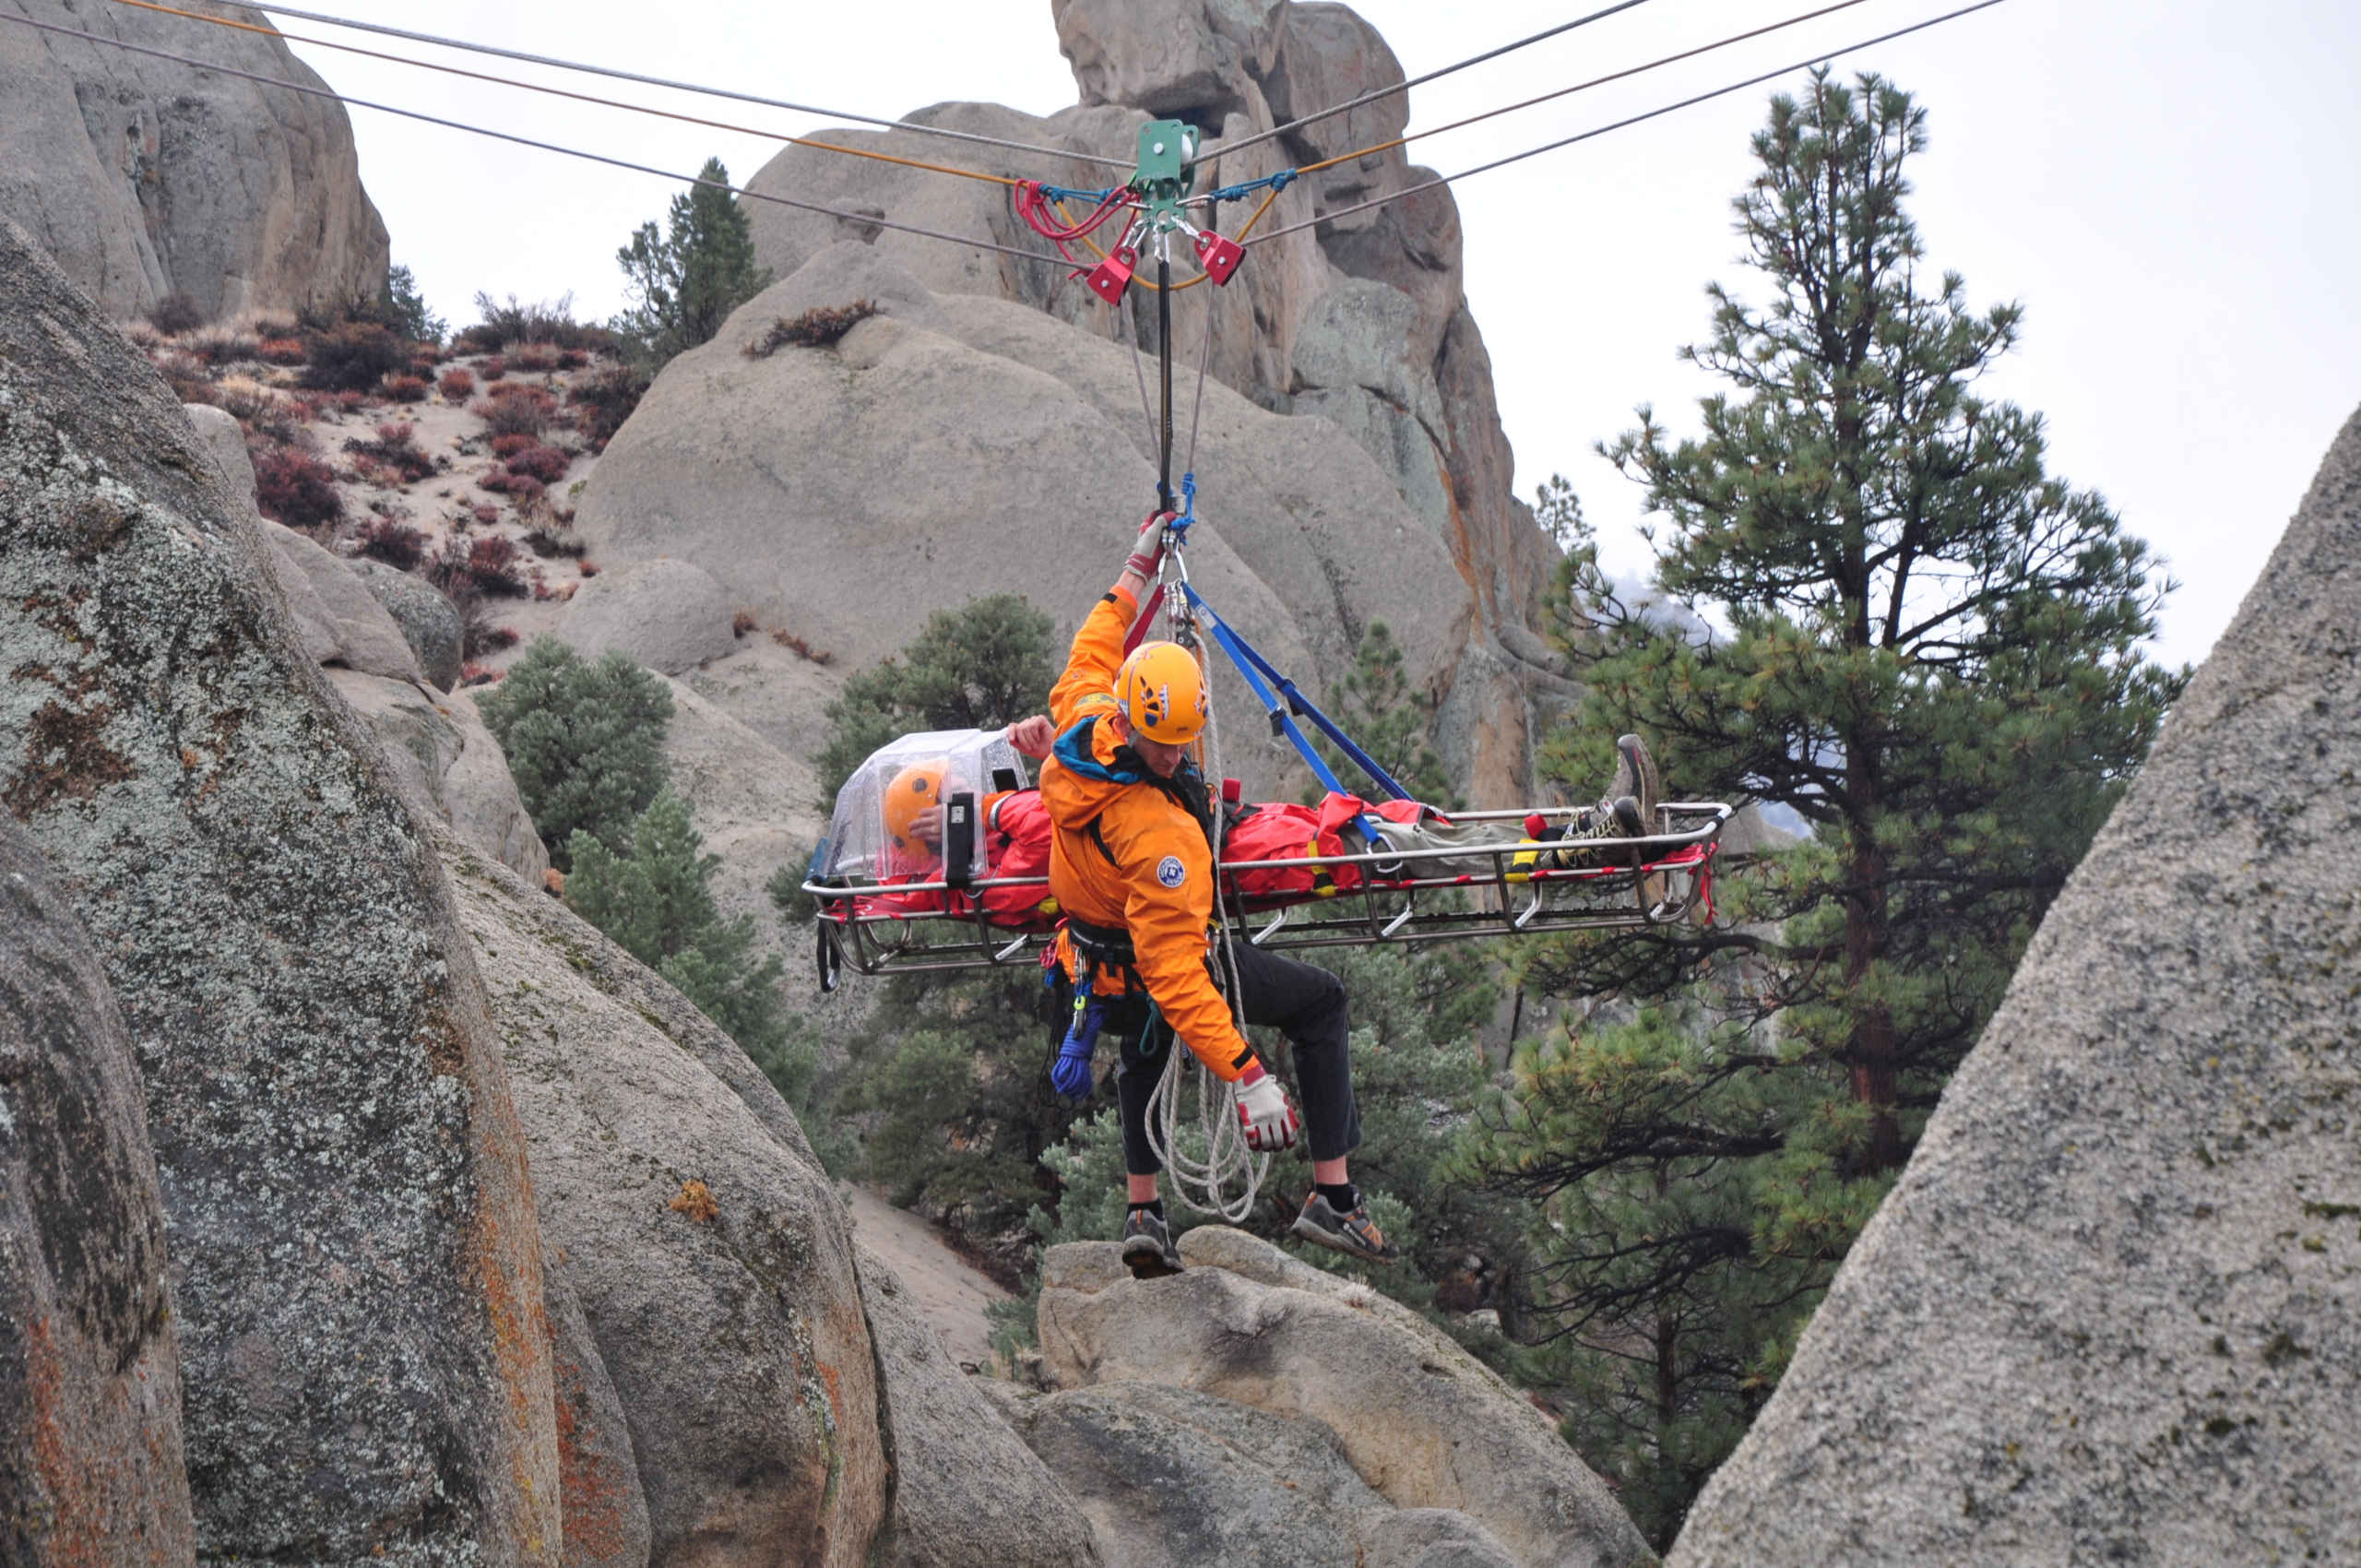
(1171, 872)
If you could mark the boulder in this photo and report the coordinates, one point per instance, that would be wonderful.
(1422, 1422)
(668, 614)
(1392, 357)
(1169, 1477)
(90, 1462)
(967, 1490)
(225, 440)
(449, 765)
(142, 176)
(357, 1262)
(708, 1251)
(2111, 1312)
(429, 621)
(339, 619)
(1193, 60)
(903, 466)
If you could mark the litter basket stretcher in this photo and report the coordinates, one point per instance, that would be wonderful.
(1408, 896)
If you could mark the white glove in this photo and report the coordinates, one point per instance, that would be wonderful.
(1148, 549)
(1263, 1109)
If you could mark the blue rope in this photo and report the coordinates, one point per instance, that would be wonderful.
(1060, 193)
(1277, 181)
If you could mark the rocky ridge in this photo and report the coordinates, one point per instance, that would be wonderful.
(910, 459)
(142, 178)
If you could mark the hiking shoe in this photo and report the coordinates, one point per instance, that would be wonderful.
(1635, 774)
(1615, 818)
(1149, 1251)
(1355, 1232)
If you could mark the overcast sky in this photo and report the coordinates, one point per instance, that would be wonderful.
(2167, 186)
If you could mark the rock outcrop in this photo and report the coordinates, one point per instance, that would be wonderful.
(429, 621)
(823, 483)
(967, 1490)
(1417, 1419)
(708, 1250)
(90, 1469)
(143, 177)
(670, 615)
(1362, 321)
(341, 621)
(357, 1268)
(2111, 1313)
(448, 764)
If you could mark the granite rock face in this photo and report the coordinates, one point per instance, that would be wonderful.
(2111, 1313)
(141, 177)
(840, 493)
(668, 614)
(429, 621)
(1424, 1424)
(91, 1464)
(357, 1263)
(1361, 320)
(448, 764)
(726, 1316)
(341, 621)
(967, 1490)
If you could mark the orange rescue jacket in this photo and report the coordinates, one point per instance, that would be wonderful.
(1125, 854)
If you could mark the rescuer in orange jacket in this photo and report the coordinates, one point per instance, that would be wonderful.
(1132, 863)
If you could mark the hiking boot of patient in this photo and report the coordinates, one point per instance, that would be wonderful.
(1635, 774)
(1611, 819)
(1355, 1232)
(1149, 1251)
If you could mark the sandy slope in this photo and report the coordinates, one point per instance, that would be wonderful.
(951, 1293)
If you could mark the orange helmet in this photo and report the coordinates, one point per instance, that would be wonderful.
(1162, 693)
(914, 789)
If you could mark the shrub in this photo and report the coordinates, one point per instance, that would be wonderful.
(407, 388)
(572, 358)
(742, 622)
(404, 308)
(222, 346)
(549, 322)
(476, 675)
(652, 892)
(470, 569)
(533, 358)
(397, 447)
(526, 410)
(547, 542)
(293, 487)
(394, 543)
(523, 488)
(281, 350)
(484, 516)
(585, 741)
(589, 568)
(607, 399)
(789, 639)
(818, 327)
(494, 369)
(351, 357)
(546, 464)
(508, 447)
(176, 313)
(456, 386)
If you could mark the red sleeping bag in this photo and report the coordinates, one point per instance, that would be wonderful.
(1276, 831)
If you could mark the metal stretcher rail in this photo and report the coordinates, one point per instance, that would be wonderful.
(1616, 882)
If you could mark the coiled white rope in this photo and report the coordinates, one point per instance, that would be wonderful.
(1227, 1157)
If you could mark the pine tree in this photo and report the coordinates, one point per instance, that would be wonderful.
(684, 281)
(1375, 705)
(652, 894)
(980, 667)
(585, 741)
(1917, 639)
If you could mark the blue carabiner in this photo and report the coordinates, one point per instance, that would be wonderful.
(1179, 526)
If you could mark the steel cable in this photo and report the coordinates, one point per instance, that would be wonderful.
(863, 219)
(1619, 124)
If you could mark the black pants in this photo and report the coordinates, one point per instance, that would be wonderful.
(1305, 1003)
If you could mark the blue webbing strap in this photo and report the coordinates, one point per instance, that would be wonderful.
(1241, 653)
